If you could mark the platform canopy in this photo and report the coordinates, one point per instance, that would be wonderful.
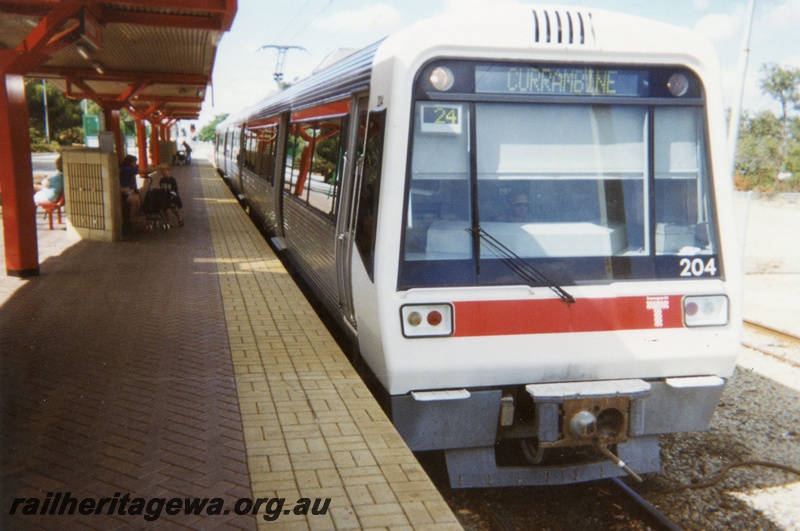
(149, 55)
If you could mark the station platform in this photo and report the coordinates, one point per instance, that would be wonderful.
(185, 365)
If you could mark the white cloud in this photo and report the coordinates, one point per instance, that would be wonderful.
(784, 16)
(363, 20)
(451, 6)
(719, 26)
(701, 5)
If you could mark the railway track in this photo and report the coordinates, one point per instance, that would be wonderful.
(787, 340)
(643, 509)
(610, 504)
(608, 501)
(606, 504)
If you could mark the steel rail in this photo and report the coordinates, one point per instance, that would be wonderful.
(780, 334)
(649, 512)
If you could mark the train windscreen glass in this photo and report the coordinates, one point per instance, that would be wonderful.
(584, 186)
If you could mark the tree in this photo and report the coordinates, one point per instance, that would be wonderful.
(783, 84)
(758, 155)
(63, 115)
(208, 131)
(792, 164)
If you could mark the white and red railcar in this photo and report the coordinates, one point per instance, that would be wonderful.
(524, 218)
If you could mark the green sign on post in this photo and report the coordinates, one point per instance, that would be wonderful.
(91, 126)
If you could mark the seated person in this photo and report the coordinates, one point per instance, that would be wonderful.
(519, 205)
(132, 199)
(52, 187)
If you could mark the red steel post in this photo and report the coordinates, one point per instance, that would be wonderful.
(112, 124)
(16, 180)
(141, 141)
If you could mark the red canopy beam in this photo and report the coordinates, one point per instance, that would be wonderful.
(44, 40)
(132, 91)
(164, 21)
(89, 74)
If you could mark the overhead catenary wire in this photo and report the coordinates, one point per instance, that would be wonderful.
(296, 15)
(315, 17)
(283, 49)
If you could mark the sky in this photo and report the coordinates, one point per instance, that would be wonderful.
(243, 70)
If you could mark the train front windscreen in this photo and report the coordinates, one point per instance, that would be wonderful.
(586, 174)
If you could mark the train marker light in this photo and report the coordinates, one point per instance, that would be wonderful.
(434, 318)
(442, 78)
(678, 85)
(427, 320)
(709, 310)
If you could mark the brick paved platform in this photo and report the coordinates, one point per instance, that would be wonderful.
(188, 364)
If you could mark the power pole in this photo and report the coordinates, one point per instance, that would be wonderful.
(736, 110)
(278, 75)
(46, 117)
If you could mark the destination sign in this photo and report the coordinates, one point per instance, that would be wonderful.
(560, 81)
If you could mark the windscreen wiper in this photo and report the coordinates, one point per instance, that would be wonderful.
(519, 266)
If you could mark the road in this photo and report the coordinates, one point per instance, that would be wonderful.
(44, 163)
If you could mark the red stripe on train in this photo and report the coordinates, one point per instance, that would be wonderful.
(552, 316)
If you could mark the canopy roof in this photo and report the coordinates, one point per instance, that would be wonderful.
(154, 57)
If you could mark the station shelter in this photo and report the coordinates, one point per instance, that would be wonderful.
(153, 58)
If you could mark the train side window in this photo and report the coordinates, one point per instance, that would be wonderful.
(322, 184)
(294, 149)
(316, 162)
(370, 159)
(249, 146)
(262, 152)
(238, 151)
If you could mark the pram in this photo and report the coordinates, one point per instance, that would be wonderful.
(155, 205)
(182, 158)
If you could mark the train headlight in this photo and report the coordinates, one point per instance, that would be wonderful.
(442, 78)
(709, 310)
(427, 320)
(678, 85)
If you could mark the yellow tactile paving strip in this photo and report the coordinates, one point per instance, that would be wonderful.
(311, 427)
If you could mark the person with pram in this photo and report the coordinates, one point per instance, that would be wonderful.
(183, 156)
(159, 201)
(169, 184)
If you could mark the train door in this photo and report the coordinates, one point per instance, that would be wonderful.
(280, 169)
(238, 161)
(345, 225)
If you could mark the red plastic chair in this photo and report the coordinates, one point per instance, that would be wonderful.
(50, 207)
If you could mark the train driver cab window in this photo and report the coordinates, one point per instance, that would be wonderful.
(563, 180)
(683, 199)
(595, 186)
(438, 214)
